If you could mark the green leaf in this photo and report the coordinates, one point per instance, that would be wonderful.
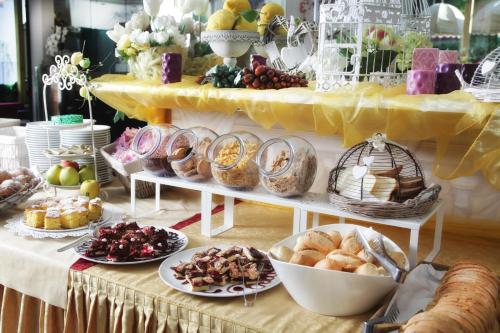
(250, 15)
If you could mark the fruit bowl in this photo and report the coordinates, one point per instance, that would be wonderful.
(330, 292)
(230, 44)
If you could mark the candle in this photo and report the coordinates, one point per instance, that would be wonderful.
(425, 58)
(446, 79)
(448, 57)
(420, 81)
(171, 67)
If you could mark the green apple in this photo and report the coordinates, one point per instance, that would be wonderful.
(90, 188)
(69, 177)
(52, 174)
(86, 173)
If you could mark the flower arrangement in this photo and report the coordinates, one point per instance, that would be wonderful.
(144, 38)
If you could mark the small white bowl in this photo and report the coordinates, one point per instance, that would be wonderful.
(230, 43)
(329, 292)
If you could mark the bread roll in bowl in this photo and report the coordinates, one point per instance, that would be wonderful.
(326, 264)
(351, 245)
(367, 269)
(347, 261)
(336, 237)
(306, 257)
(365, 256)
(327, 291)
(318, 240)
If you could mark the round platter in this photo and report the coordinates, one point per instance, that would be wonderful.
(179, 244)
(106, 216)
(61, 187)
(69, 157)
(229, 290)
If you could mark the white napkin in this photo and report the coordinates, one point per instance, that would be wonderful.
(417, 291)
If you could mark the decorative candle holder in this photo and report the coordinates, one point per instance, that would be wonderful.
(421, 81)
(448, 57)
(446, 79)
(425, 58)
(171, 68)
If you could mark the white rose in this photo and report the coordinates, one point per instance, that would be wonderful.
(162, 22)
(76, 58)
(139, 20)
(188, 23)
(139, 37)
(152, 7)
(161, 37)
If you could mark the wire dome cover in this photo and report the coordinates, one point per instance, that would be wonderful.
(416, 16)
(485, 84)
(378, 170)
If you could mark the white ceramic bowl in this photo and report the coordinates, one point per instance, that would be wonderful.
(330, 292)
(230, 43)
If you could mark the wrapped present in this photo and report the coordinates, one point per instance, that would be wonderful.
(448, 57)
(446, 79)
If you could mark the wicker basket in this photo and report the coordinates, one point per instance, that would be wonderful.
(382, 179)
(123, 171)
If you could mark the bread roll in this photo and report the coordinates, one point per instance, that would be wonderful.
(365, 256)
(306, 257)
(398, 257)
(282, 253)
(335, 237)
(347, 261)
(299, 245)
(325, 264)
(4, 175)
(367, 269)
(350, 245)
(318, 240)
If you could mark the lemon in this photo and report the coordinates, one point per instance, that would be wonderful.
(261, 28)
(222, 19)
(237, 6)
(244, 25)
(269, 11)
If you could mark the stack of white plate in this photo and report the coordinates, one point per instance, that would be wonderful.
(102, 137)
(41, 135)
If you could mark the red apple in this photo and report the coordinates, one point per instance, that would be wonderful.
(71, 164)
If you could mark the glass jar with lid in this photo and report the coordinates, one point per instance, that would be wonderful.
(287, 165)
(150, 144)
(232, 158)
(187, 151)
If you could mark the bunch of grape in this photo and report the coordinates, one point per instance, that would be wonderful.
(264, 77)
(223, 76)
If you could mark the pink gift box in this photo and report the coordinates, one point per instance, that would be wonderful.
(425, 58)
(448, 57)
(421, 81)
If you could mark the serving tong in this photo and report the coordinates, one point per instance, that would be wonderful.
(380, 253)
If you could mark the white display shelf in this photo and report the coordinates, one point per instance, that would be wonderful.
(311, 202)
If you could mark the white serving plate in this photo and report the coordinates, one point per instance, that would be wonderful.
(329, 292)
(229, 290)
(181, 244)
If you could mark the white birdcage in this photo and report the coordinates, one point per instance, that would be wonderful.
(485, 84)
(416, 17)
(358, 42)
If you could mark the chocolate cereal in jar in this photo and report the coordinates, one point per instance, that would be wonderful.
(287, 165)
(232, 158)
(150, 144)
(188, 153)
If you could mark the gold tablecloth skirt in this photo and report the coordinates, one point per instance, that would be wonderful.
(451, 120)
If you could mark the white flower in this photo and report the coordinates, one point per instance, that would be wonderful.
(161, 37)
(76, 57)
(152, 7)
(124, 42)
(162, 22)
(139, 20)
(117, 32)
(139, 37)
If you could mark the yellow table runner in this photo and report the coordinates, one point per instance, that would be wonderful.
(452, 120)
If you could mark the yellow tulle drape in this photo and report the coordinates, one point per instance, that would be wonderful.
(452, 120)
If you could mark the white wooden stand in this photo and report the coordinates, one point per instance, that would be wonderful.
(310, 202)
